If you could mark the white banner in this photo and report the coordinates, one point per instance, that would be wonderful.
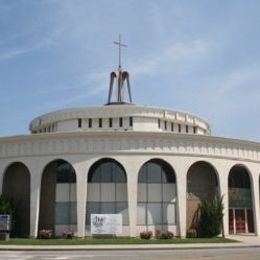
(106, 224)
(5, 222)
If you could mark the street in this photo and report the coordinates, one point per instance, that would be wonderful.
(228, 254)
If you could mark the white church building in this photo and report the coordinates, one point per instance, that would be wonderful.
(152, 165)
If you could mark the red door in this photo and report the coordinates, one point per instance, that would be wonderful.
(240, 221)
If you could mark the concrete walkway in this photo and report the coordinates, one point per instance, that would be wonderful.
(245, 241)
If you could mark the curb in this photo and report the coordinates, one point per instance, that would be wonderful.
(123, 248)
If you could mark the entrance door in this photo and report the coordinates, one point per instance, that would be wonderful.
(240, 221)
(250, 221)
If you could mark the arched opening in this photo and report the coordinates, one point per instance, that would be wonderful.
(107, 191)
(16, 188)
(58, 198)
(156, 199)
(202, 184)
(240, 201)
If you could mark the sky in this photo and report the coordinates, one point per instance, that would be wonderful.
(196, 56)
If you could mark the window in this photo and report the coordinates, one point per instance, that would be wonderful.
(172, 127)
(165, 125)
(90, 122)
(159, 123)
(107, 190)
(100, 122)
(120, 122)
(107, 171)
(156, 194)
(187, 129)
(79, 123)
(110, 122)
(130, 121)
(194, 130)
(65, 173)
(65, 213)
(179, 128)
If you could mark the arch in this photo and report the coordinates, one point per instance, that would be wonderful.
(156, 199)
(116, 172)
(58, 197)
(241, 218)
(107, 190)
(16, 188)
(202, 184)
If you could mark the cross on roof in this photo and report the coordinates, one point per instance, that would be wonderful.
(120, 44)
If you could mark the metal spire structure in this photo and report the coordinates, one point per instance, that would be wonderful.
(119, 77)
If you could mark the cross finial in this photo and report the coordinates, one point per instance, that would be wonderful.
(120, 44)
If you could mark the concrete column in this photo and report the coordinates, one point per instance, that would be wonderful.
(35, 200)
(223, 189)
(255, 201)
(2, 169)
(132, 189)
(81, 187)
(181, 182)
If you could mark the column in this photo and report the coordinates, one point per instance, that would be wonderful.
(1, 178)
(181, 182)
(35, 201)
(81, 186)
(132, 189)
(255, 201)
(223, 189)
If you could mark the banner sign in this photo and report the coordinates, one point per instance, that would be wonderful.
(5, 222)
(105, 224)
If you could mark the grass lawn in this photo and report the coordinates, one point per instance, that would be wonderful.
(113, 241)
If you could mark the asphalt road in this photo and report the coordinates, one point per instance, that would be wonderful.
(198, 254)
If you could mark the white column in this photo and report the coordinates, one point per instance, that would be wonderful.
(223, 189)
(181, 182)
(1, 178)
(35, 200)
(132, 189)
(255, 201)
(81, 186)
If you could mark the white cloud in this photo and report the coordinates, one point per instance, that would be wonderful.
(176, 54)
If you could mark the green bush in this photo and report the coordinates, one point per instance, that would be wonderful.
(146, 235)
(6, 206)
(210, 217)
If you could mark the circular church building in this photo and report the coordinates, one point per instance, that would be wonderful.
(151, 165)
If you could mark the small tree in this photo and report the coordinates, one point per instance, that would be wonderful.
(6, 206)
(210, 217)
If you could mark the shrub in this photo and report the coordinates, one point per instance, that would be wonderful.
(146, 234)
(68, 234)
(192, 233)
(45, 234)
(6, 206)
(164, 234)
(210, 217)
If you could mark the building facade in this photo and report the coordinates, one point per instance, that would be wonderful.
(152, 165)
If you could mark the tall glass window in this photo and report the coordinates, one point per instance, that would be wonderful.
(107, 190)
(65, 202)
(156, 194)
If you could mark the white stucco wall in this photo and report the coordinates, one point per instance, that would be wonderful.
(132, 150)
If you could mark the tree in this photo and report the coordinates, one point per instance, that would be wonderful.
(6, 206)
(210, 217)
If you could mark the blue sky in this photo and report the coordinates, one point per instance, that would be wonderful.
(197, 56)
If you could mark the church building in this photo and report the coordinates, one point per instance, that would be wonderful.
(152, 165)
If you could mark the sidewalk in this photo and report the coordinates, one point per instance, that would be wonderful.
(247, 241)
